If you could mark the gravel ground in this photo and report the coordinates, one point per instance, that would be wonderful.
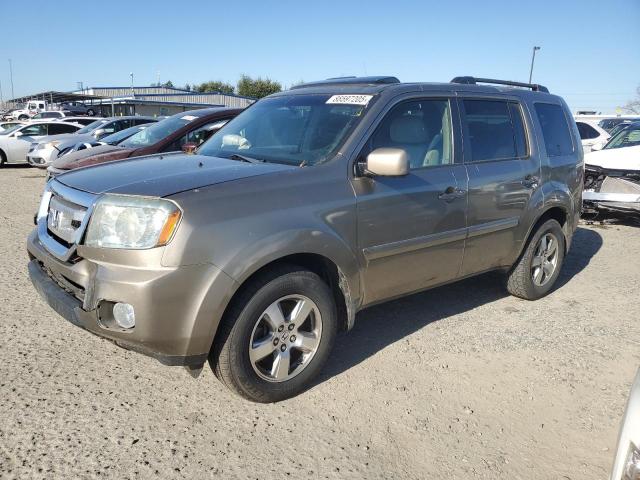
(459, 382)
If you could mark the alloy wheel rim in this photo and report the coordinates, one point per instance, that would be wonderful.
(545, 259)
(285, 338)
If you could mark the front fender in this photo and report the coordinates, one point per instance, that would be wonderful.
(292, 242)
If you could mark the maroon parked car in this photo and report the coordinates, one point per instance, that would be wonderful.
(184, 131)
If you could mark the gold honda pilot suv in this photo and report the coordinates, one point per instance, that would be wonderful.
(309, 206)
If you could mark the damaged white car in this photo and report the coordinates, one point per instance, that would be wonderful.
(626, 464)
(612, 175)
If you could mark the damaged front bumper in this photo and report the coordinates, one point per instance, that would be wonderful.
(608, 190)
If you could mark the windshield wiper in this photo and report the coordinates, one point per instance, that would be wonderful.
(242, 158)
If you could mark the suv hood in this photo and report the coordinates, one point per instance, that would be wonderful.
(162, 175)
(624, 158)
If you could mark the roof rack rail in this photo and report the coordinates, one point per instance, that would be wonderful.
(473, 81)
(377, 80)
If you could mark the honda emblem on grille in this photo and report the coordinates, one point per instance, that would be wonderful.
(54, 218)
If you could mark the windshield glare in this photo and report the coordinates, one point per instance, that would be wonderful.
(158, 131)
(10, 129)
(118, 137)
(629, 137)
(92, 126)
(294, 129)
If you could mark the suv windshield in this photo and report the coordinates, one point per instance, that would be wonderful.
(293, 129)
(92, 126)
(158, 131)
(629, 137)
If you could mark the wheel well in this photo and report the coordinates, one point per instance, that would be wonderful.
(3, 156)
(318, 264)
(556, 213)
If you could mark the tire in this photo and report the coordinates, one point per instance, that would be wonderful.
(247, 325)
(23, 117)
(3, 159)
(528, 281)
(90, 113)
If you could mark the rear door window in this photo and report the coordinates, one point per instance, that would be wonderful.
(495, 130)
(555, 129)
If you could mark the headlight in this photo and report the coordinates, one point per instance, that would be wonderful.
(632, 464)
(42, 146)
(132, 222)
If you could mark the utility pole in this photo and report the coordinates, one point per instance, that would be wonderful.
(1, 99)
(13, 95)
(131, 75)
(533, 58)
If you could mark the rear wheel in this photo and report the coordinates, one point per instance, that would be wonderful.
(276, 336)
(537, 270)
(3, 158)
(90, 112)
(23, 117)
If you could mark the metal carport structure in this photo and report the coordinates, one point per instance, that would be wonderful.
(55, 97)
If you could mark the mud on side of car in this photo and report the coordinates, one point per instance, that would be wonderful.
(310, 205)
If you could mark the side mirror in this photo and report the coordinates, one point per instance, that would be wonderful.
(597, 146)
(18, 134)
(388, 162)
(99, 133)
(189, 148)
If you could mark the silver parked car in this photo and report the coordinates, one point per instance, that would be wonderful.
(309, 206)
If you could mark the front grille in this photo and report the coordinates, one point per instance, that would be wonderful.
(62, 218)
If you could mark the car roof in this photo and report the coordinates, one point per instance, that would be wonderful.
(204, 112)
(129, 117)
(375, 85)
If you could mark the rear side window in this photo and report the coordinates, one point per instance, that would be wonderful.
(495, 129)
(58, 128)
(587, 131)
(555, 129)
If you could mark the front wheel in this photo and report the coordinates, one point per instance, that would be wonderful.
(23, 117)
(537, 270)
(276, 336)
(90, 113)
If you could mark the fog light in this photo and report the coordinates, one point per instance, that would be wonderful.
(124, 315)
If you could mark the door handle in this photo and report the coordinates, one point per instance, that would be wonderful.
(451, 193)
(530, 181)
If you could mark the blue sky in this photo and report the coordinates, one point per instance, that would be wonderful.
(590, 49)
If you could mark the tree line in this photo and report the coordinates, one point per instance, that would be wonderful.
(247, 86)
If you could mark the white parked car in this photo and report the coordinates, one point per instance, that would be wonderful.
(15, 143)
(50, 115)
(81, 120)
(591, 133)
(626, 464)
(43, 154)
